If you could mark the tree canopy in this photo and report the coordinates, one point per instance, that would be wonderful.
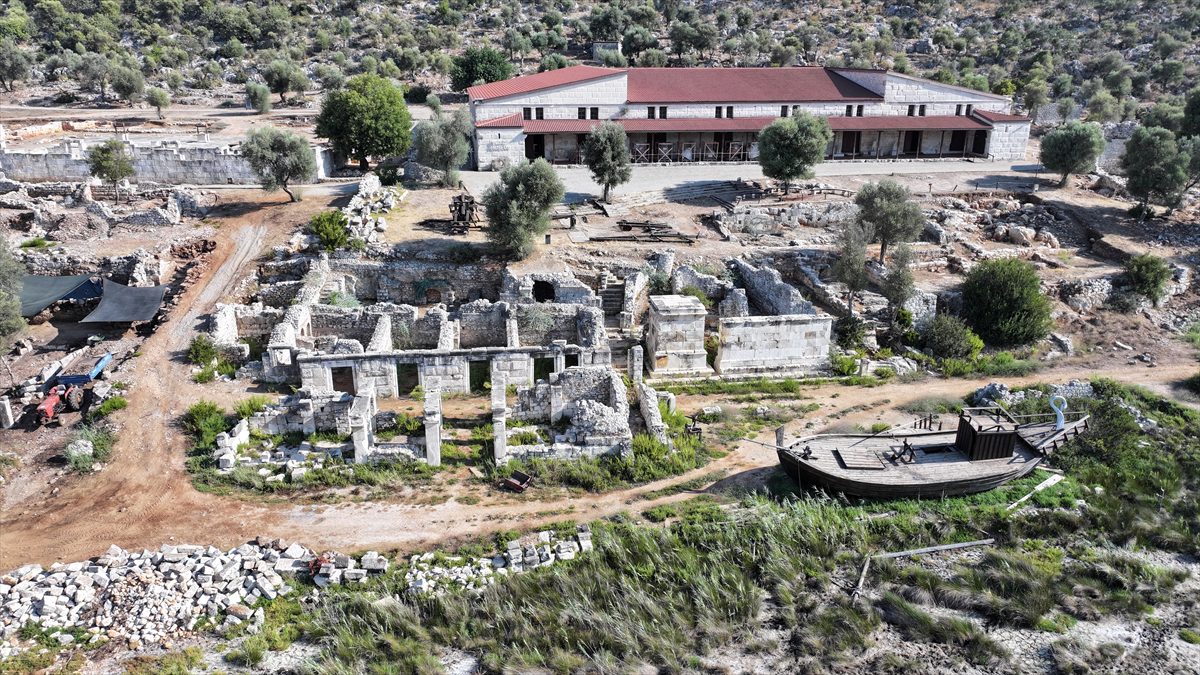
(1003, 302)
(887, 209)
(285, 76)
(790, 147)
(110, 161)
(1072, 148)
(518, 206)
(850, 268)
(479, 65)
(606, 154)
(11, 274)
(366, 119)
(1154, 167)
(159, 98)
(442, 143)
(279, 158)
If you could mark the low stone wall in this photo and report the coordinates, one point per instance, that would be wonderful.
(775, 345)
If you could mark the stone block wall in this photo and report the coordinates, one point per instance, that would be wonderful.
(775, 345)
(675, 335)
(1008, 140)
(542, 323)
(420, 283)
(685, 276)
(350, 324)
(566, 288)
(482, 324)
(768, 292)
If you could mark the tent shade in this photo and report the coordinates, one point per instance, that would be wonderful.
(122, 304)
(39, 292)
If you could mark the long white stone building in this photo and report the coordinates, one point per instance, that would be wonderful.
(714, 114)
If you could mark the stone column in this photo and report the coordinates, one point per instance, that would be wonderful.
(6, 412)
(635, 363)
(560, 356)
(499, 415)
(513, 335)
(556, 403)
(433, 428)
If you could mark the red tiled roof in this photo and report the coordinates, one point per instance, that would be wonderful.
(694, 124)
(544, 80)
(743, 85)
(990, 116)
(506, 122)
(905, 123)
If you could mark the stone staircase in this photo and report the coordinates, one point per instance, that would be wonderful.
(612, 294)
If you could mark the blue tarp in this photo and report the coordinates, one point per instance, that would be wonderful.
(38, 292)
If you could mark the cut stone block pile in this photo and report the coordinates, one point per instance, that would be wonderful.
(370, 199)
(235, 448)
(428, 573)
(147, 597)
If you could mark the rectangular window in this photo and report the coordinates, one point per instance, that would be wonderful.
(541, 113)
(527, 113)
(662, 112)
(595, 113)
(912, 110)
(718, 112)
(849, 111)
(783, 111)
(921, 111)
(970, 108)
(958, 109)
(859, 112)
(795, 109)
(729, 111)
(650, 112)
(583, 113)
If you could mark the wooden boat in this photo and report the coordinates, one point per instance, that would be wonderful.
(990, 447)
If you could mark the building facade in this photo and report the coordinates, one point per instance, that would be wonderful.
(714, 114)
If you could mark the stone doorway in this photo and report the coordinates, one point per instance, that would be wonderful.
(343, 380)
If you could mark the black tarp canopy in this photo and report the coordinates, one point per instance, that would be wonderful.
(122, 304)
(39, 292)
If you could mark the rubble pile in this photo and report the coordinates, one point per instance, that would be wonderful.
(146, 597)
(429, 573)
(370, 199)
(235, 449)
(995, 393)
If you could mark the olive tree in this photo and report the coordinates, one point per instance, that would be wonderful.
(606, 154)
(1155, 167)
(887, 209)
(1072, 148)
(442, 143)
(110, 161)
(790, 147)
(518, 206)
(368, 118)
(159, 98)
(279, 158)
(850, 268)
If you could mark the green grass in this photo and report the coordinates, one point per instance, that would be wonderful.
(250, 406)
(110, 405)
(36, 242)
(1000, 364)
(102, 441)
(175, 663)
(1189, 636)
(1192, 336)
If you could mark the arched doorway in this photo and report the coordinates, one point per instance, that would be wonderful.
(433, 296)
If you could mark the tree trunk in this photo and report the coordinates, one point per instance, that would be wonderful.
(882, 250)
(1063, 182)
(363, 164)
(290, 194)
(606, 187)
(850, 302)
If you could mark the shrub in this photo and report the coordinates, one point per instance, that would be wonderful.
(699, 294)
(1004, 304)
(330, 228)
(850, 331)
(948, 337)
(202, 351)
(110, 406)
(843, 365)
(247, 407)
(204, 420)
(1192, 384)
(1148, 275)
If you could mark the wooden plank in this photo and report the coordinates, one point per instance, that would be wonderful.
(936, 549)
(1053, 480)
(860, 460)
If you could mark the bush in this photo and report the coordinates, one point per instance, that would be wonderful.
(330, 228)
(203, 421)
(850, 331)
(947, 337)
(1148, 275)
(250, 406)
(202, 351)
(699, 294)
(110, 406)
(1192, 384)
(416, 93)
(1004, 304)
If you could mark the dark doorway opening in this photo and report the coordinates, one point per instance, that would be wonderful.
(571, 360)
(535, 146)
(542, 368)
(979, 147)
(543, 291)
(912, 142)
(433, 296)
(407, 378)
(343, 380)
(850, 142)
(958, 141)
(480, 372)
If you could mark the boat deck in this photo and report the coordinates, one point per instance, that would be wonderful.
(881, 466)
